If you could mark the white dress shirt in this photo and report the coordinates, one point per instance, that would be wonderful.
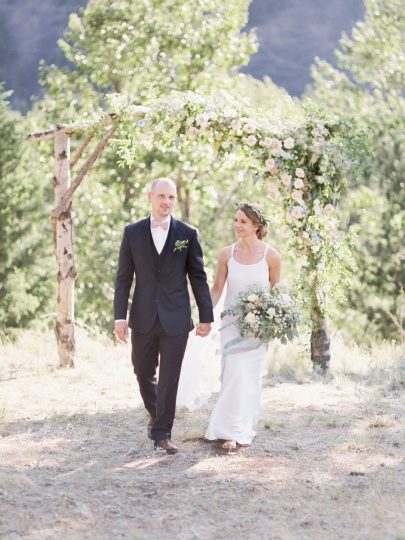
(159, 237)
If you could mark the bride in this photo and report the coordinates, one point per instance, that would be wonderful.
(248, 262)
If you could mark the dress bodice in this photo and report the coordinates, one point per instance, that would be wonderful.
(242, 276)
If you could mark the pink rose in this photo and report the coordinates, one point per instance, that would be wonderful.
(267, 142)
(300, 173)
(192, 132)
(270, 163)
(328, 209)
(296, 195)
(298, 183)
(286, 179)
(251, 140)
(250, 127)
(276, 145)
(295, 212)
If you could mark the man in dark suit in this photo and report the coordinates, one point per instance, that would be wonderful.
(161, 252)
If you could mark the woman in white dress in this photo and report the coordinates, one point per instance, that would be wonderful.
(248, 262)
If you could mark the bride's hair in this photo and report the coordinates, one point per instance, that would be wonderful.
(255, 214)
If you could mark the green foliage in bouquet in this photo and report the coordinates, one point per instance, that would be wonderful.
(265, 314)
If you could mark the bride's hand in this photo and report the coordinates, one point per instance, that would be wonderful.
(203, 329)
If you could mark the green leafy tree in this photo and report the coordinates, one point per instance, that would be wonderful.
(146, 50)
(24, 265)
(368, 87)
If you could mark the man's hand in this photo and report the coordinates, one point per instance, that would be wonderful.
(203, 329)
(121, 331)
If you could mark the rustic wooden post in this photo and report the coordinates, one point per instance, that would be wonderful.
(63, 237)
(320, 338)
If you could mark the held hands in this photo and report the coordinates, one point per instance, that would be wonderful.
(203, 329)
(121, 330)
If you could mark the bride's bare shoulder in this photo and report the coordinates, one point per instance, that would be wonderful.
(272, 254)
(225, 253)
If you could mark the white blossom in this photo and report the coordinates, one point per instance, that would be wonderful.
(289, 143)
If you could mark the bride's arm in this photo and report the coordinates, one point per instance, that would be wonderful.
(220, 276)
(274, 263)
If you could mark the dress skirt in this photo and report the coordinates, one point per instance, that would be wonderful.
(237, 409)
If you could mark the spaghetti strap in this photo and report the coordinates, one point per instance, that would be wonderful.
(265, 252)
(232, 250)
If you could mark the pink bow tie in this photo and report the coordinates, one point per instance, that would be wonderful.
(155, 223)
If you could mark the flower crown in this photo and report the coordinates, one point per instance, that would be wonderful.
(255, 209)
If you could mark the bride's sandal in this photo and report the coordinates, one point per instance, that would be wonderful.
(229, 445)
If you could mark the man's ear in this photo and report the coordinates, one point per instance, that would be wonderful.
(149, 195)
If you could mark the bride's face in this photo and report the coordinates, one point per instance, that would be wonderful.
(244, 227)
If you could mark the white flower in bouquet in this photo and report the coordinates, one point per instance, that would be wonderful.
(250, 318)
(265, 314)
(300, 172)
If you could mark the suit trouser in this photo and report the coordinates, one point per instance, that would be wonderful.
(159, 396)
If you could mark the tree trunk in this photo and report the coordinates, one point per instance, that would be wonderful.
(320, 341)
(66, 272)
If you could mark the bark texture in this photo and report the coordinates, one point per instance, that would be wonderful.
(66, 272)
(320, 339)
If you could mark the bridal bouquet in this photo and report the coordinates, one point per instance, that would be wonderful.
(265, 314)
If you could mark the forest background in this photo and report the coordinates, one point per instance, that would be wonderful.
(361, 81)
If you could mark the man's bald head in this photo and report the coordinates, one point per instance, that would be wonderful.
(162, 183)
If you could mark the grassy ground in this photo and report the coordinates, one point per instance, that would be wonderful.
(75, 462)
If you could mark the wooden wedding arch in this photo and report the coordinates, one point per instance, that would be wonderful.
(242, 129)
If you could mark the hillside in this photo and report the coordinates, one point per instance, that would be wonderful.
(291, 33)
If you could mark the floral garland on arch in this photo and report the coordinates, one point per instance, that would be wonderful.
(304, 165)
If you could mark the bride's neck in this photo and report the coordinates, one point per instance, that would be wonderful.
(249, 243)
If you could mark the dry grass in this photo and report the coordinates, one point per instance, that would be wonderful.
(76, 464)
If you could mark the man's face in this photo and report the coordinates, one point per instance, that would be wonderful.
(162, 198)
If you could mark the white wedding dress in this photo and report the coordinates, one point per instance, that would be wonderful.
(237, 409)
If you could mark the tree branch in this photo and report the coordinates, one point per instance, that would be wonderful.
(80, 151)
(140, 112)
(66, 199)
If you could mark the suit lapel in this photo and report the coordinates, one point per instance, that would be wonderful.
(149, 245)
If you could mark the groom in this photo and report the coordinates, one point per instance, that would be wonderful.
(160, 251)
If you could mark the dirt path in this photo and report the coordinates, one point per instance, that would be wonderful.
(76, 463)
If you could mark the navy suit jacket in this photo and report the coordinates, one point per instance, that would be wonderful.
(161, 280)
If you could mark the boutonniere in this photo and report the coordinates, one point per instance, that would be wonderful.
(179, 245)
